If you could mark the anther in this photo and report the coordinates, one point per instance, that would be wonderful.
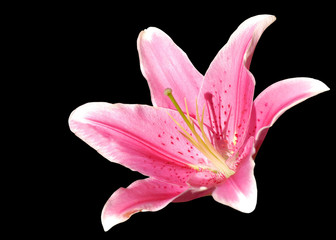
(168, 91)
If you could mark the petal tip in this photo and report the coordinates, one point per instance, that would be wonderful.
(271, 18)
(74, 117)
(262, 19)
(109, 222)
(321, 87)
(249, 207)
(314, 86)
(81, 112)
(148, 33)
(268, 17)
(242, 203)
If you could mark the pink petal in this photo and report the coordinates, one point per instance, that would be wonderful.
(228, 86)
(142, 195)
(165, 65)
(139, 137)
(276, 99)
(240, 190)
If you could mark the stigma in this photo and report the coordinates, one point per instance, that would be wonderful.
(200, 141)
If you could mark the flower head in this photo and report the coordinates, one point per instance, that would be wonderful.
(202, 133)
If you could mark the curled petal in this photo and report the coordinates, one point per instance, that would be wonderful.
(276, 99)
(142, 195)
(165, 65)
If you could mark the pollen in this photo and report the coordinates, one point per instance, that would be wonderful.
(202, 143)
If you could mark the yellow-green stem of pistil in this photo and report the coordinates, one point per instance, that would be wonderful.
(203, 143)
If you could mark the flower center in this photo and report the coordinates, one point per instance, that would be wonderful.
(202, 143)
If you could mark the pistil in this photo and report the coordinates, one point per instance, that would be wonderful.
(203, 143)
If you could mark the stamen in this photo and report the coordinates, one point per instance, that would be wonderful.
(202, 144)
(168, 92)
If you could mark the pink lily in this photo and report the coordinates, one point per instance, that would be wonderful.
(202, 133)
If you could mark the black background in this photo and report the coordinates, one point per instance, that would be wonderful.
(85, 52)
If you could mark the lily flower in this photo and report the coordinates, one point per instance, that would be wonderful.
(202, 133)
